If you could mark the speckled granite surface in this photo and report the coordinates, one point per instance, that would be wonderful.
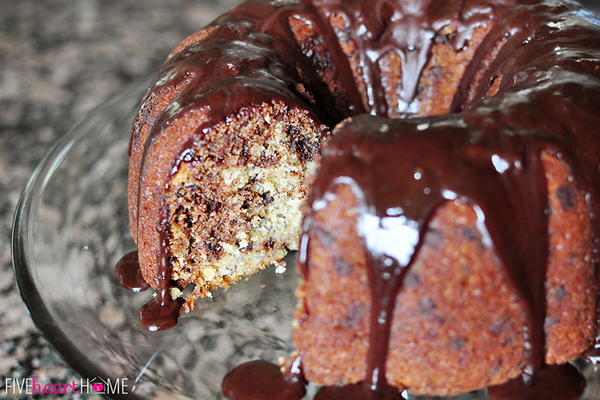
(58, 60)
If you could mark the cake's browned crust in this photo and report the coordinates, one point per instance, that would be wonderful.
(313, 47)
(457, 324)
(148, 202)
(445, 69)
(152, 107)
(440, 79)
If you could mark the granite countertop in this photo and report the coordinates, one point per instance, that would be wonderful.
(58, 60)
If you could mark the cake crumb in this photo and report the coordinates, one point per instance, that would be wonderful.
(176, 293)
(280, 268)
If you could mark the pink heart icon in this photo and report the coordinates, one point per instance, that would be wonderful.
(98, 387)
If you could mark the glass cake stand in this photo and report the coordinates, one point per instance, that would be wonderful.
(71, 228)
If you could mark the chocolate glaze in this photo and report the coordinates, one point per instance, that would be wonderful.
(261, 380)
(486, 153)
(127, 272)
(160, 313)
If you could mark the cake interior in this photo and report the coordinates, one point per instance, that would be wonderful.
(234, 206)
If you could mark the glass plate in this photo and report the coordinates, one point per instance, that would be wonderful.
(71, 228)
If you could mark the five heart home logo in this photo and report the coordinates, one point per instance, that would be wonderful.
(97, 386)
(33, 385)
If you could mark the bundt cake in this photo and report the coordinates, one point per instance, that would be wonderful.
(450, 236)
(230, 132)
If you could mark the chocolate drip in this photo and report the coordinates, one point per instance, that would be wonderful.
(261, 380)
(162, 312)
(159, 313)
(128, 273)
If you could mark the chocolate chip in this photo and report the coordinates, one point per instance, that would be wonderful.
(293, 131)
(412, 280)
(304, 148)
(356, 312)
(566, 197)
(266, 160)
(434, 238)
(437, 72)
(196, 197)
(342, 267)
(325, 238)
(560, 293)
(213, 247)
(426, 305)
(244, 154)
(551, 322)
(266, 198)
(468, 233)
(456, 343)
(212, 205)
(268, 244)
